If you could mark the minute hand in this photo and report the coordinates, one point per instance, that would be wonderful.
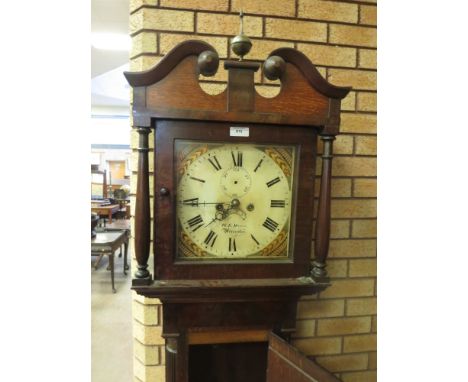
(191, 203)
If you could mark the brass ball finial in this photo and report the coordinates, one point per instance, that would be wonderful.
(241, 44)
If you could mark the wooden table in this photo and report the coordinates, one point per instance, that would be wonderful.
(106, 210)
(124, 206)
(106, 243)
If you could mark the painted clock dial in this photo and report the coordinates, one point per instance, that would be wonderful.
(234, 201)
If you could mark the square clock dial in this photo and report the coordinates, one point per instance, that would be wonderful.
(234, 201)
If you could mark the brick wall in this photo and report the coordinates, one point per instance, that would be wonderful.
(339, 326)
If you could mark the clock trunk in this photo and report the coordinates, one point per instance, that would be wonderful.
(232, 362)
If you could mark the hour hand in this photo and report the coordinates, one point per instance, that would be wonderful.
(220, 215)
(214, 219)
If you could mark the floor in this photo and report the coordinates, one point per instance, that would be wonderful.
(111, 324)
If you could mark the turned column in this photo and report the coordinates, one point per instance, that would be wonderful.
(142, 211)
(322, 226)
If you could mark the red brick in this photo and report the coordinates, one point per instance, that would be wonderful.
(365, 187)
(373, 360)
(368, 15)
(354, 166)
(368, 58)
(143, 63)
(353, 35)
(134, 4)
(161, 19)
(374, 324)
(296, 30)
(358, 123)
(320, 308)
(318, 346)
(339, 229)
(328, 10)
(367, 101)
(361, 306)
(329, 55)
(261, 49)
(363, 267)
(366, 145)
(349, 102)
(361, 343)
(169, 41)
(349, 288)
(337, 268)
(347, 362)
(304, 328)
(359, 376)
(265, 7)
(358, 79)
(212, 88)
(267, 91)
(144, 42)
(212, 5)
(352, 248)
(341, 188)
(339, 326)
(343, 144)
(364, 228)
(361, 208)
(214, 23)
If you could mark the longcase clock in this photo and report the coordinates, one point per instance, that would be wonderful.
(234, 178)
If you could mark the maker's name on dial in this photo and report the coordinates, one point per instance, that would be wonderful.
(233, 228)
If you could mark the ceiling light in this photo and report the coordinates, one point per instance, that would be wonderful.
(110, 41)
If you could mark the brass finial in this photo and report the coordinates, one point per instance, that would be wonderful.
(241, 44)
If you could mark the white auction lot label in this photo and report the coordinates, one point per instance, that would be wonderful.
(239, 132)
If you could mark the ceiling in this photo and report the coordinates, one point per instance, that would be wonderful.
(108, 85)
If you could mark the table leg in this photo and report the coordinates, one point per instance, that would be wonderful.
(96, 264)
(110, 216)
(126, 267)
(111, 263)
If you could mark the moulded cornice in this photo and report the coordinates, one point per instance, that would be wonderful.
(311, 73)
(167, 63)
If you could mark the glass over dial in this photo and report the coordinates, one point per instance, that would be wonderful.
(233, 201)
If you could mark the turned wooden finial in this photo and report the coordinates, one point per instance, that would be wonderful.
(208, 63)
(274, 67)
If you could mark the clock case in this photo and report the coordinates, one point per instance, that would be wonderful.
(168, 98)
(235, 301)
(167, 265)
